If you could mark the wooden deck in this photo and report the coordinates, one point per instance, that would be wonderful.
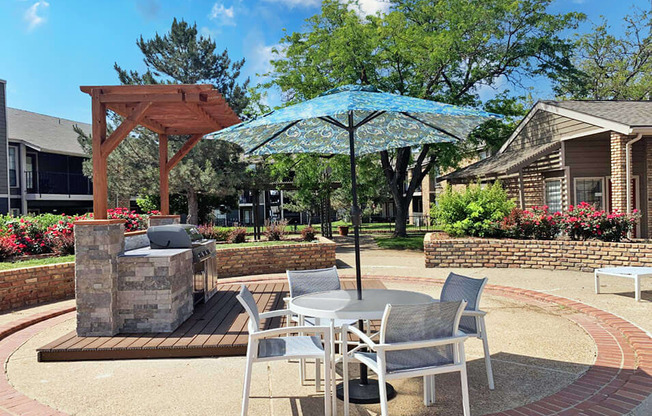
(217, 328)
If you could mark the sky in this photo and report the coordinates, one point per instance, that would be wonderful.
(48, 48)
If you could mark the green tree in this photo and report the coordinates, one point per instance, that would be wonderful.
(439, 50)
(613, 67)
(212, 168)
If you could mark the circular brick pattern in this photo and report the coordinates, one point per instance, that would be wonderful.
(618, 381)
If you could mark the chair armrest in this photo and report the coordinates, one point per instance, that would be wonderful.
(270, 333)
(421, 344)
(473, 313)
(274, 314)
(363, 337)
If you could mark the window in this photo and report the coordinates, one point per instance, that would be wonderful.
(13, 166)
(553, 195)
(590, 190)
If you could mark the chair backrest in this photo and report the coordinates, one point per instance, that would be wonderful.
(249, 304)
(303, 282)
(421, 322)
(458, 287)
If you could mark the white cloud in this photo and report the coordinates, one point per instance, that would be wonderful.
(222, 15)
(364, 8)
(32, 14)
(368, 7)
(294, 3)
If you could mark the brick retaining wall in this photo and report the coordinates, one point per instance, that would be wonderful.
(534, 254)
(242, 261)
(35, 285)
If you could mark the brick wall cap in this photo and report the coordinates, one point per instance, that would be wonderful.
(100, 222)
(35, 268)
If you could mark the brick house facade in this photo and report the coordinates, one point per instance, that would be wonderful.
(566, 152)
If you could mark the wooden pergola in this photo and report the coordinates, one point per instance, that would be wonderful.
(192, 110)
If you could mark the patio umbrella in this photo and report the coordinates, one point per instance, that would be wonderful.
(353, 120)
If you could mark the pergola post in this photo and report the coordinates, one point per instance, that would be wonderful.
(100, 185)
(164, 173)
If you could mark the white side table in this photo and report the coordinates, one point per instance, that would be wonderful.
(629, 272)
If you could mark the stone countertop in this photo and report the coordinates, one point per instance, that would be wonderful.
(148, 252)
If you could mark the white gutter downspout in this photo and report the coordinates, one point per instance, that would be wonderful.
(628, 167)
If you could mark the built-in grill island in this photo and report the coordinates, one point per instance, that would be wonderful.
(140, 283)
(165, 237)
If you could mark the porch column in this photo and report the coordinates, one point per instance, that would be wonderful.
(648, 170)
(618, 172)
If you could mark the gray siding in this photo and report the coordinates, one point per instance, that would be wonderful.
(545, 127)
(3, 139)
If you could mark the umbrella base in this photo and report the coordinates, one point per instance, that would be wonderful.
(364, 393)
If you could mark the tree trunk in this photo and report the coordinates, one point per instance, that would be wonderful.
(193, 207)
(396, 175)
(400, 229)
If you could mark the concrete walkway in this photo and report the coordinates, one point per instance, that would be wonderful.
(537, 350)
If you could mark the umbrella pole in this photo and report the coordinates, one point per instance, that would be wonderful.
(360, 391)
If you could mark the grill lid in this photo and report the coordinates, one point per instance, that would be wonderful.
(173, 236)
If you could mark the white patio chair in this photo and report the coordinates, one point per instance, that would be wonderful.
(267, 345)
(303, 282)
(415, 341)
(458, 287)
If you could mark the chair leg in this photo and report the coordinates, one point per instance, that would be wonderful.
(382, 388)
(487, 355)
(345, 370)
(465, 385)
(426, 391)
(328, 410)
(432, 389)
(302, 361)
(332, 375)
(317, 364)
(247, 379)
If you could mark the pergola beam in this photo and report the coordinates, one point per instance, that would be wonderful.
(185, 149)
(125, 128)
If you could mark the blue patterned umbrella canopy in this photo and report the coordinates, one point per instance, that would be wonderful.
(381, 121)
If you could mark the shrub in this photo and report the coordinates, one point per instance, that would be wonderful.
(543, 224)
(238, 235)
(8, 247)
(583, 221)
(61, 236)
(133, 221)
(28, 236)
(476, 211)
(212, 232)
(515, 225)
(308, 233)
(275, 230)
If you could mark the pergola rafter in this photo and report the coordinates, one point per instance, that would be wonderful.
(192, 110)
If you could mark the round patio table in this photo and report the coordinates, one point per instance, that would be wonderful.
(344, 304)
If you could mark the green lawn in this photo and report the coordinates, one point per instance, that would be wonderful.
(36, 262)
(411, 242)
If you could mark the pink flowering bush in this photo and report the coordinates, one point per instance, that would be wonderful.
(580, 222)
(584, 221)
(8, 247)
(29, 238)
(133, 221)
(61, 236)
(536, 223)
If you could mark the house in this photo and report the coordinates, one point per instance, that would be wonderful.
(41, 163)
(566, 152)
